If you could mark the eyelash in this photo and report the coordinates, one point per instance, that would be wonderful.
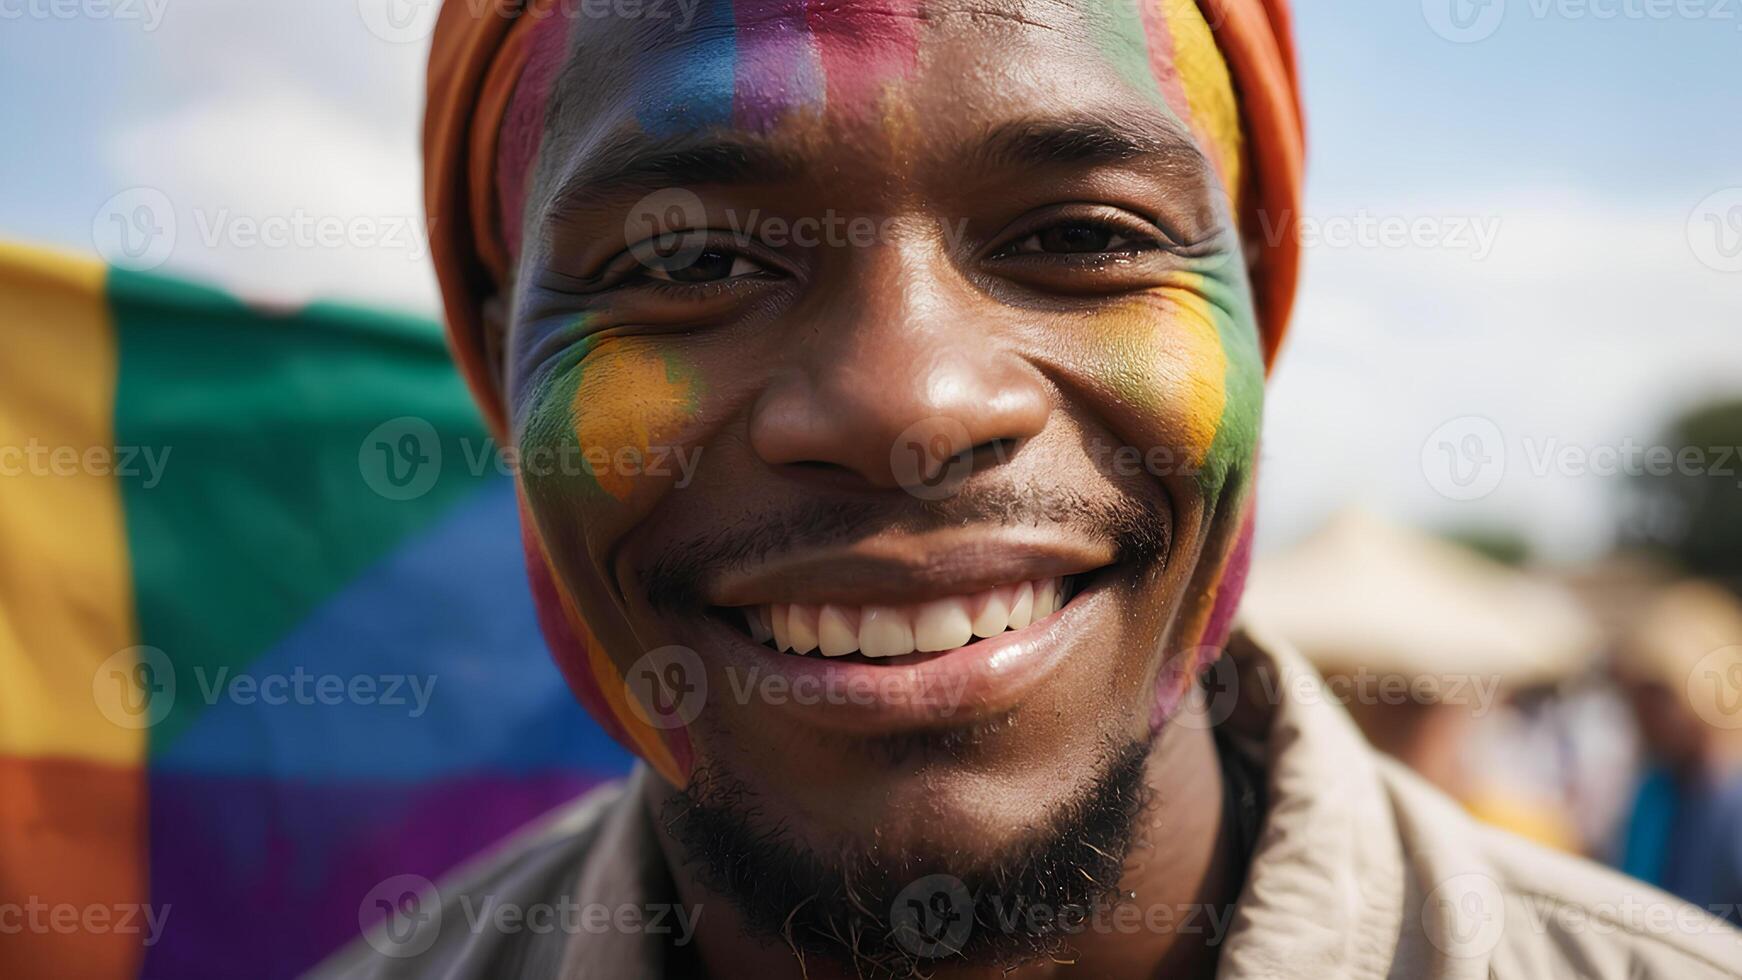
(636, 277)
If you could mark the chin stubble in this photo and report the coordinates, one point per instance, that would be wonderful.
(890, 915)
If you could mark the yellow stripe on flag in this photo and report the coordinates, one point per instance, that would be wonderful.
(66, 601)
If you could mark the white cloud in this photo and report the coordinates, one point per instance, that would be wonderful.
(1590, 324)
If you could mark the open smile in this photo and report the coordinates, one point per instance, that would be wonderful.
(952, 629)
(876, 632)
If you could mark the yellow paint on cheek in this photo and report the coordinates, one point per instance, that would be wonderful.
(1167, 359)
(630, 400)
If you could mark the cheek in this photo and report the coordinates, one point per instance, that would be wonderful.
(597, 450)
(1185, 368)
(603, 433)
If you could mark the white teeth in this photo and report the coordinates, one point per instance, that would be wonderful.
(782, 638)
(759, 629)
(801, 628)
(837, 631)
(1022, 606)
(992, 614)
(1046, 598)
(942, 625)
(885, 631)
(895, 631)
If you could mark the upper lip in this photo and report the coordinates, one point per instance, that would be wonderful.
(895, 568)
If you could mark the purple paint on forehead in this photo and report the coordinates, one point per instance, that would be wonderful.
(522, 129)
(779, 67)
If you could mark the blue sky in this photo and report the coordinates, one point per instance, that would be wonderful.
(1558, 166)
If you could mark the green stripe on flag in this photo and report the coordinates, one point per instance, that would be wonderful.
(274, 425)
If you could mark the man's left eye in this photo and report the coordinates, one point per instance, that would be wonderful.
(711, 265)
(1075, 238)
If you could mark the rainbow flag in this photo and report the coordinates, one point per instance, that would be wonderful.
(266, 639)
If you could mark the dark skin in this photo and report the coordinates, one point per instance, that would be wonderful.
(1050, 239)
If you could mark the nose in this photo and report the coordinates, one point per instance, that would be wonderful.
(900, 379)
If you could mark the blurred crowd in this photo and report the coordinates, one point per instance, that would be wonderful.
(1596, 708)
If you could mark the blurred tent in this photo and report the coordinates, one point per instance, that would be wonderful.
(1366, 593)
(1423, 640)
(265, 633)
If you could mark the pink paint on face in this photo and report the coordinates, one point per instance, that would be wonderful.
(779, 66)
(863, 47)
(1233, 585)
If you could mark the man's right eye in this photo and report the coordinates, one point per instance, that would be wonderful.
(1075, 238)
(709, 265)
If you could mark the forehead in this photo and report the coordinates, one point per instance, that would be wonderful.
(883, 83)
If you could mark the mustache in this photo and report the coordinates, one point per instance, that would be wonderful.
(1139, 529)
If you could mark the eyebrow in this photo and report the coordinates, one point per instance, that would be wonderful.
(1084, 140)
(632, 163)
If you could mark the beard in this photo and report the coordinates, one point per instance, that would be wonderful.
(896, 915)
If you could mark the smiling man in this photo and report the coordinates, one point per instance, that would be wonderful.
(961, 312)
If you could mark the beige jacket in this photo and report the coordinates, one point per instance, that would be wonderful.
(1361, 871)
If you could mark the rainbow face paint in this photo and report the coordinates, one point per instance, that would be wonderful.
(593, 376)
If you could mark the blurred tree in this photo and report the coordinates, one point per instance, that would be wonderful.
(1685, 493)
(1504, 545)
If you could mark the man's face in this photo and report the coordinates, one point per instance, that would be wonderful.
(954, 314)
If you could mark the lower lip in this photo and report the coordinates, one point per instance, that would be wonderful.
(982, 680)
